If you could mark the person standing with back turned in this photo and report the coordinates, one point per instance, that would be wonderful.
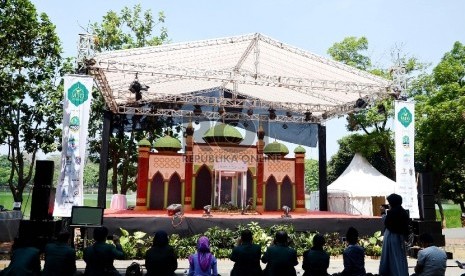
(394, 255)
(246, 256)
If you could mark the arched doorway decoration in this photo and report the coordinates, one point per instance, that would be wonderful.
(157, 192)
(203, 187)
(174, 190)
(271, 194)
(286, 193)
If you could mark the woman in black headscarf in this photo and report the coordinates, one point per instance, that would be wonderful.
(393, 256)
(161, 259)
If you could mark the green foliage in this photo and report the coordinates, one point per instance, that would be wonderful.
(373, 245)
(311, 175)
(440, 125)
(135, 245)
(348, 52)
(128, 29)
(222, 241)
(31, 111)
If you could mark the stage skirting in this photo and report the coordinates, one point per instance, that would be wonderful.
(195, 224)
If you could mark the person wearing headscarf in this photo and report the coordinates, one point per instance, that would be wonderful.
(160, 259)
(393, 255)
(316, 260)
(279, 258)
(203, 263)
(246, 256)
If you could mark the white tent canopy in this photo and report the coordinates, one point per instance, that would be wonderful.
(358, 190)
(362, 179)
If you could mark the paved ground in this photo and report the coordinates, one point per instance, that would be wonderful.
(225, 266)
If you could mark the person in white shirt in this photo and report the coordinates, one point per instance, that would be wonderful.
(431, 260)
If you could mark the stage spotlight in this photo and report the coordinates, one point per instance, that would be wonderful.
(245, 124)
(197, 110)
(207, 211)
(381, 109)
(196, 121)
(272, 114)
(136, 88)
(221, 111)
(286, 210)
(324, 115)
(361, 103)
(250, 112)
(308, 116)
(289, 114)
(285, 126)
(174, 209)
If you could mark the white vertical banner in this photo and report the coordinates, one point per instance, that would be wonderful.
(404, 140)
(76, 110)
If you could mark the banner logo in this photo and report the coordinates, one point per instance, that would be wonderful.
(78, 93)
(405, 117)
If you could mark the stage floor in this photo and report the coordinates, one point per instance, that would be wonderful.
(194, 222)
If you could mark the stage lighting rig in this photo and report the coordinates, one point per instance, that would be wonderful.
(136, 88)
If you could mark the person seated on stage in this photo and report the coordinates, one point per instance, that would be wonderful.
(60, 258)
(316, 260)
(99, 257)
(25, 259)
(354, 255)
(246, 256)
(279, 258)
(203, 263)
(161, 259)
(431, 260)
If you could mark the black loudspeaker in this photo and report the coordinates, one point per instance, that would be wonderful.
(43, 183)
(426, 197)
(425, 183)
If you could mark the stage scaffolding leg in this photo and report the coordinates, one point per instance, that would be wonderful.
(103, 168)
(322, 172)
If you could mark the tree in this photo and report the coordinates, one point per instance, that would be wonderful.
(311, 175)
(440, 126)
(30, 103)
(349, 50)
(374, 140)
(131, 28)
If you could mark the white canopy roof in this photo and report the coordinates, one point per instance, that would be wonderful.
(362, 179)
(255, 70)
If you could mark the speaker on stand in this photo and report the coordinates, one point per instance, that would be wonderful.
(43, 183)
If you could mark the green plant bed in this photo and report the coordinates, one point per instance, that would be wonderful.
(222, 241)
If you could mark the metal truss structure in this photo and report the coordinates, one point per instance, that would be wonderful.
(257, 73)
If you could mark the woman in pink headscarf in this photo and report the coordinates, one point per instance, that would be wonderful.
(202, 263)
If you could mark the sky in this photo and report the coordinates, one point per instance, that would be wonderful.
(425, 29)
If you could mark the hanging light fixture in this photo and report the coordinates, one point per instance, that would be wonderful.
(308, 116)
(272, 114)
(197, 110)
(136, 88)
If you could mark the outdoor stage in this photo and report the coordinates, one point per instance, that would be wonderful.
(193, 222)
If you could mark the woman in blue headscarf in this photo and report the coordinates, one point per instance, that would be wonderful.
(203, 263)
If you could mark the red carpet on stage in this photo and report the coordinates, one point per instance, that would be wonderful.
(194, 222)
